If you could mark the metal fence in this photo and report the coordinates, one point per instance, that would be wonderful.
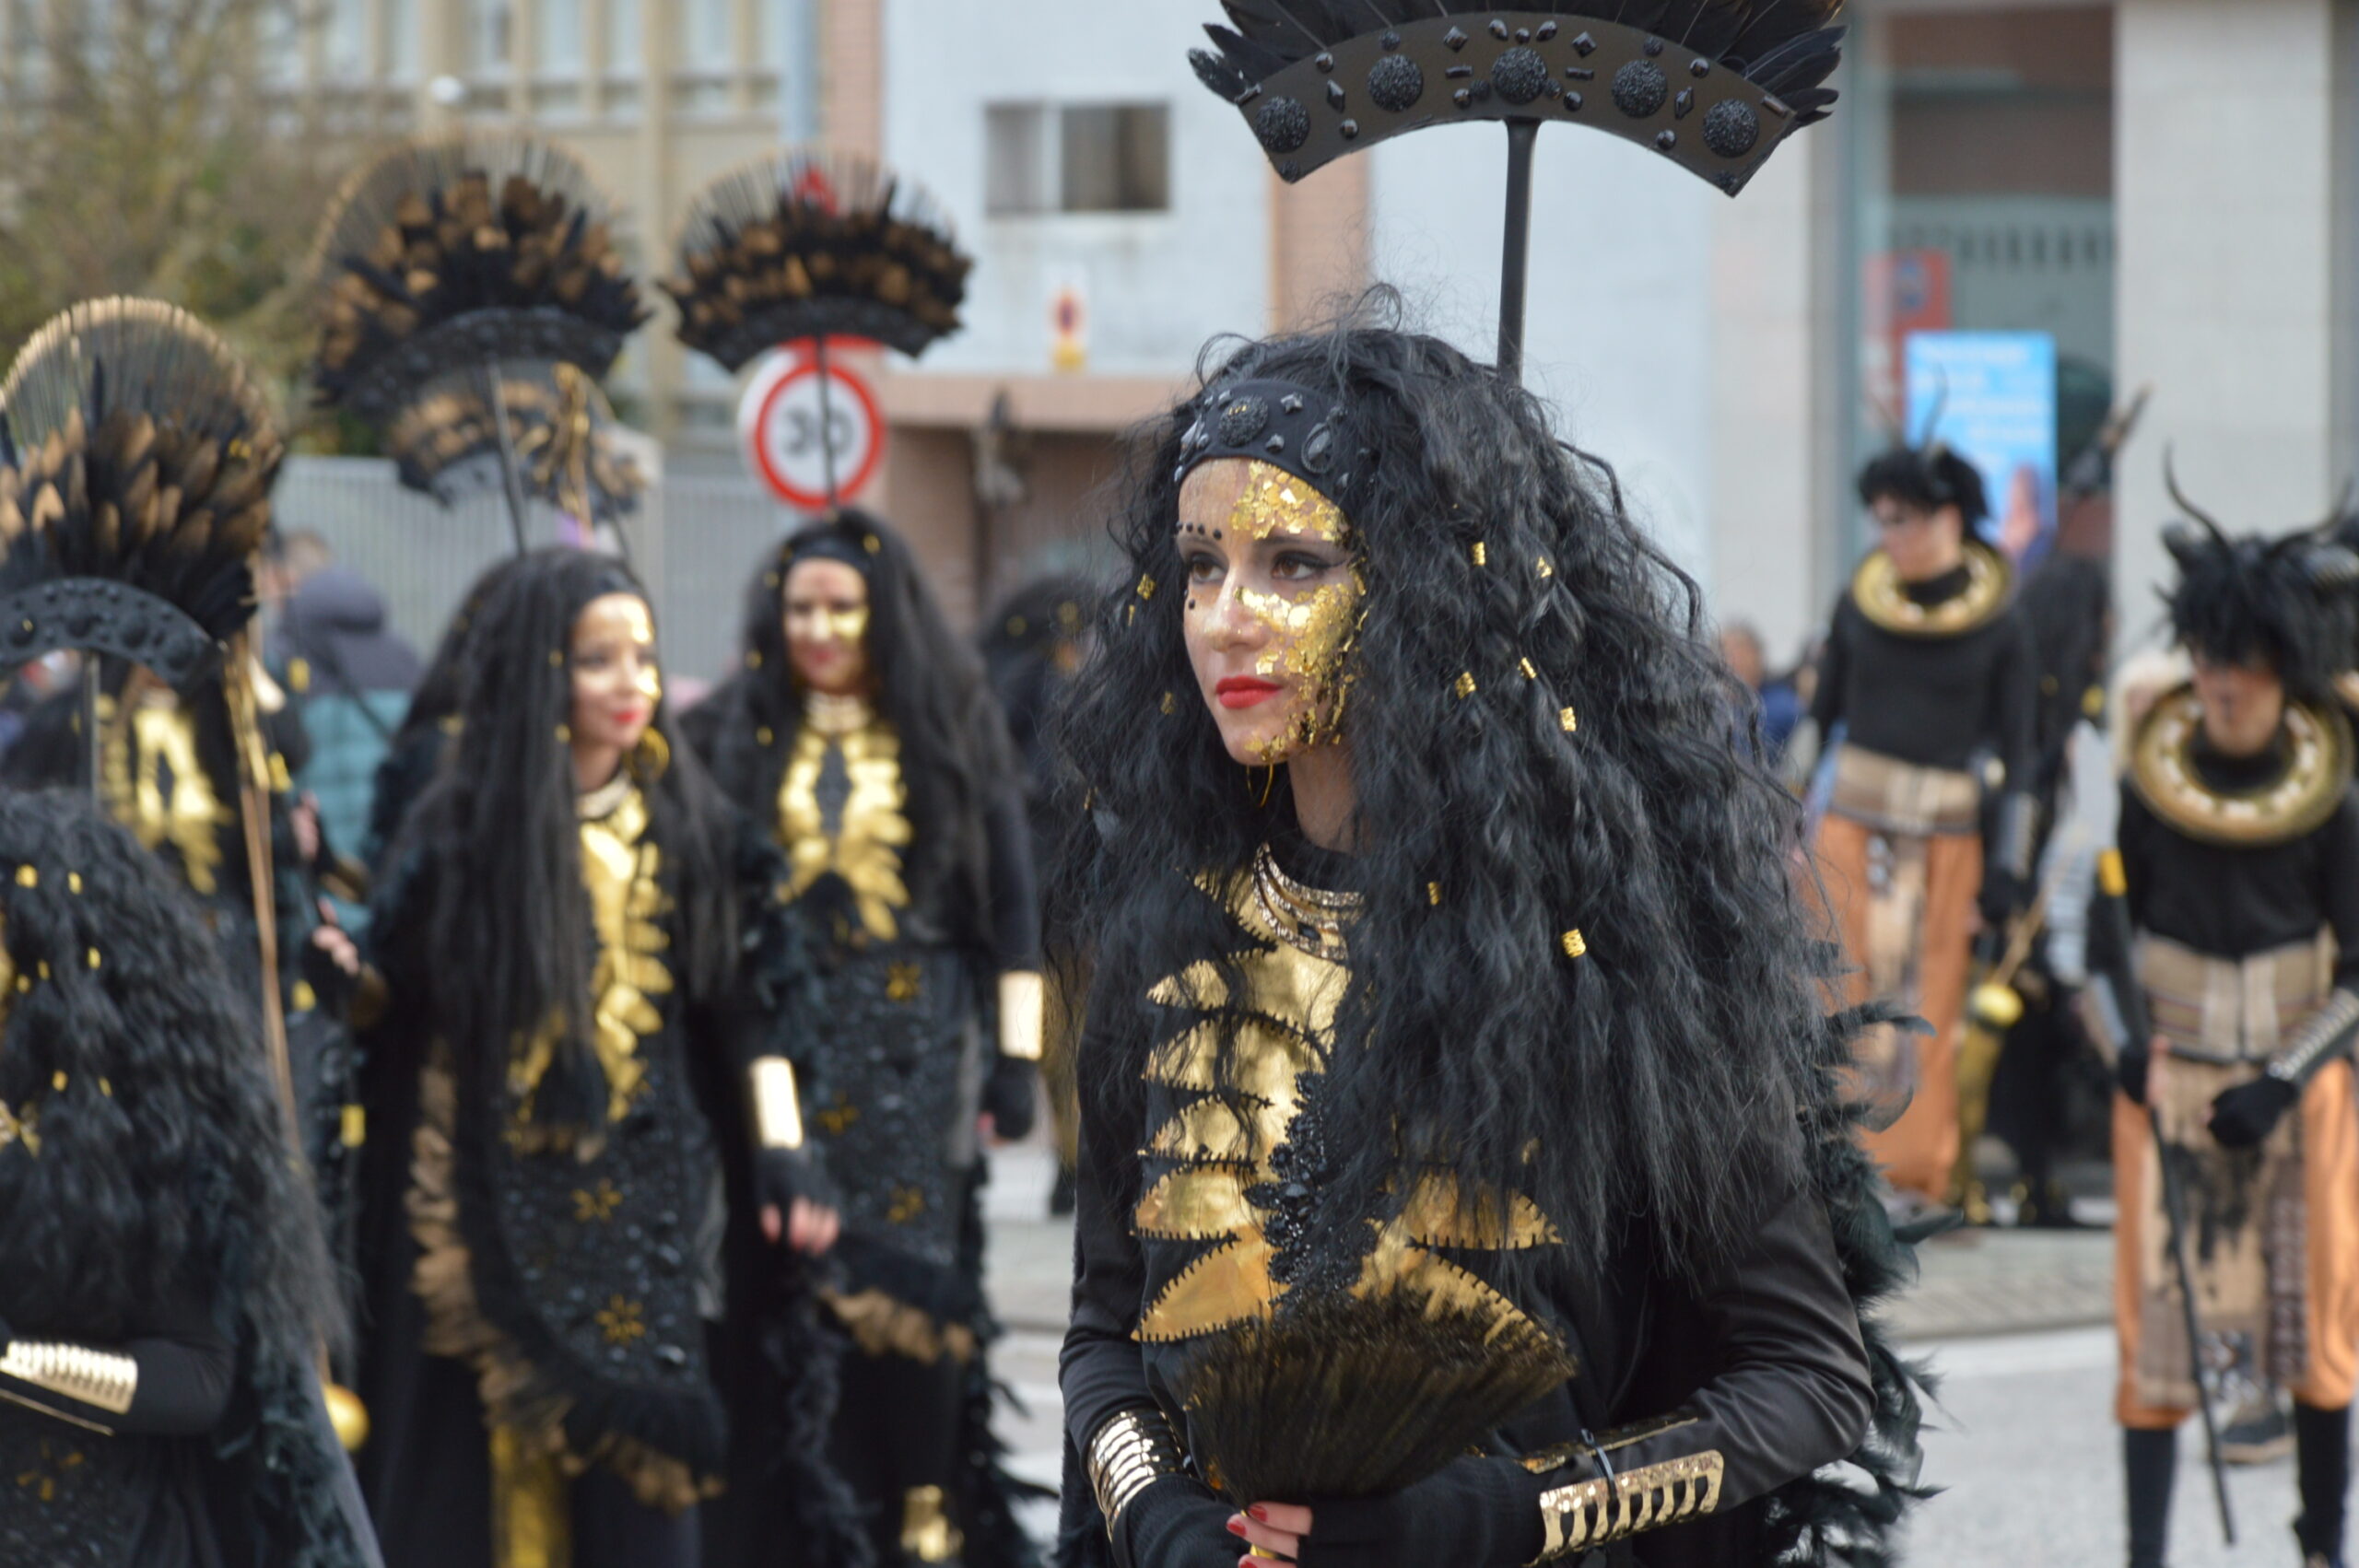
(693, 541)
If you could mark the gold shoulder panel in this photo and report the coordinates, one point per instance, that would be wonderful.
(2162, 769)
(1876, 589)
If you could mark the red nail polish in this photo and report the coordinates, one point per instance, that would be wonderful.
(1237, 1527)
(1260, 1513)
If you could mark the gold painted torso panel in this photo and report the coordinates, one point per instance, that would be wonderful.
(853, 822)
(1230, 1133)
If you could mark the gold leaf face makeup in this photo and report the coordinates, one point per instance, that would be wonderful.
(1273, 600)
(827, 625)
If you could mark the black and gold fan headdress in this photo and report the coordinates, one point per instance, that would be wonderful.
(136, 458)
(1712, 84)
(463, 255)
(806, 244)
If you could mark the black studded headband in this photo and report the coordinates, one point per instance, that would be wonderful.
(1285, 425)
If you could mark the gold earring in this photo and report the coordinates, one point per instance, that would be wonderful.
(651, 758)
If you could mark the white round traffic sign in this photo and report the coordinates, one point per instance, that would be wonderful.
(780, 420)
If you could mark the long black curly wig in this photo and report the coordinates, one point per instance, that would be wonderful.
(1538, 745)
(928, 684)
(166, 1136)
(497, 843)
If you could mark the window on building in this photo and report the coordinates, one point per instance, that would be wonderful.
(344, 55)
(1117, 157)
(556, 38)
(398, 46)
(1076, 158)
(622, 38)
(490, 29)
(707, 36)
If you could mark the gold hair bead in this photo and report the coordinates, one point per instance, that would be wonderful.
(1132, 616)
(302, 997)
(57, 1081)
(44, 967)
(1169, 706)
(556, 658)
(870, 543)
(1433, 893)
(1466, 683)
(1146, 588)
(753, 659)
(1481, 555)
(93, 956)
(106, 1088)
(762, 734)
(1567, 721)
(1529, 672)
(27, 877)
(565, 734)
(1575, 944)
(1545, 569)
(73, 882)
(24, 985)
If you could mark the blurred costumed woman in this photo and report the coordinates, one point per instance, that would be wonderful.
(860, 731)
(586, 1140)
(1452, 1000)
(166, 1294)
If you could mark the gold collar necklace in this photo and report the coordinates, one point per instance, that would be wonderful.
(1876, 588)
(833, 715)
(1311, 918)
(2297, 800)
(597, 805)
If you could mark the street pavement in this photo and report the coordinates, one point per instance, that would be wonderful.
(2023, 1445)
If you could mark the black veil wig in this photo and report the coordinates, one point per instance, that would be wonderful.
(929, 686)
(509, 942)
(1928, 478)
(164, 1158)
(2282, 603)
(442, 686)
(1540, 745)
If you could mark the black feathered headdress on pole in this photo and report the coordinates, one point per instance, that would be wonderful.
(810, 244)
(465, 255)
(561, 429)
(1712, 84)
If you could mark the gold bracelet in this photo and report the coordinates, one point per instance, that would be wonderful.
(1022, 1007)
(102, 1379)
(778, 1108)
(1130, 1452)
(1590, 1513)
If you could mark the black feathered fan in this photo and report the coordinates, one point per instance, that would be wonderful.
(1712, 84)
(446, 444)
(807, 244)
(455, 256)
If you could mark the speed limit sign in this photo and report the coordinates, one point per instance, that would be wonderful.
(790, 401)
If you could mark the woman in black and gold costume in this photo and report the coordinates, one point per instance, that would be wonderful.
(582, 1128)
(859, 730)
(166, 1293)
(1447, 966)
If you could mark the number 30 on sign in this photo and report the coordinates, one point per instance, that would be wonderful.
(779, 425)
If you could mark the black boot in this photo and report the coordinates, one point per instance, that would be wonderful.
(2148, 1461)
(2322, 1459)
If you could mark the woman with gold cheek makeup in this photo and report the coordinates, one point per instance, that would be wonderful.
(586, 1158)
(859, 732)
(1455, 1077)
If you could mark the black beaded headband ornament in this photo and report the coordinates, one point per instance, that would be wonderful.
(1712, 84)
(1288, 427)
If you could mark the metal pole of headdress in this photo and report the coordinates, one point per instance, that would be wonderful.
(1515, 263)
(826, 418)
(511, 481)
(94, 668)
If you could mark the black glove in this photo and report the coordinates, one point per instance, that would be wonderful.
(1176, 1523)
(1474, 1514)
(1012, 1096)
(782, 1176)
(2249, 1113)
(2129, 1070)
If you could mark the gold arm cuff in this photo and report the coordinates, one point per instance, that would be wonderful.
(1020, 1005)
(778, 1108)
(1590, 1513)
(100, 1379)
(1130, 1452)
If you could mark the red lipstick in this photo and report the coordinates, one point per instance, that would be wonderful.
(1244, 691)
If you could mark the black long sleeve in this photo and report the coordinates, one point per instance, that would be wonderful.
(2232, 902)
(1100, 1368)
(1934, 702)
(185, 1368)
(1014, 881)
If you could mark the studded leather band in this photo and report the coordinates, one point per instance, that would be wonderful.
(100, 1379)
(1132, 1450)
(1022, 1004)
(2325, 1036)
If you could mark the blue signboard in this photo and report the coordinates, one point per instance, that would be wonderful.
(1994, 393)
